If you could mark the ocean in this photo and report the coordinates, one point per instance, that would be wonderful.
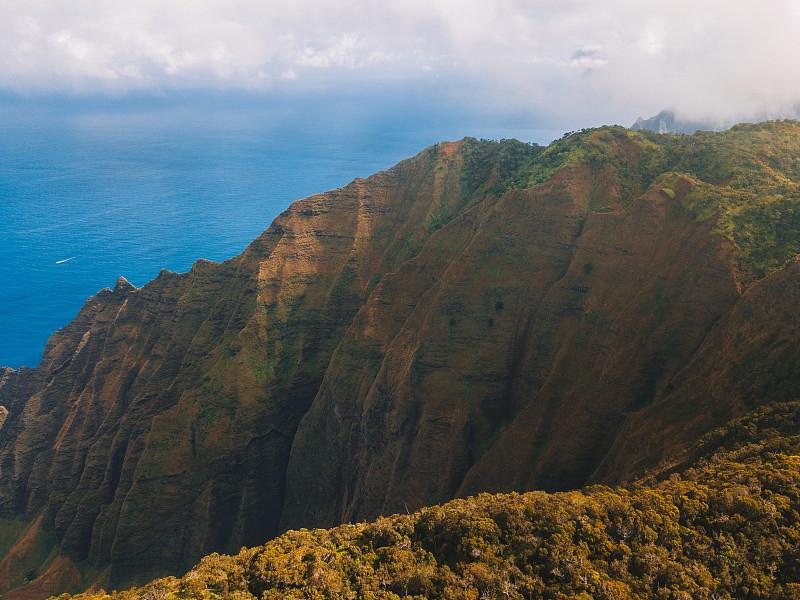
(95, 189)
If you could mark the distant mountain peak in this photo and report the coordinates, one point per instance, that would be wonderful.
(667, 122)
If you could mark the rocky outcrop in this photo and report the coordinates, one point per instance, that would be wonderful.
(482, 317)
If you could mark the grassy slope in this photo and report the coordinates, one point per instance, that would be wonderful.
(748, 184)
(748, 179)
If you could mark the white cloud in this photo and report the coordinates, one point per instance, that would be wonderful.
(604, 60)
(652, 39)
(346, 51)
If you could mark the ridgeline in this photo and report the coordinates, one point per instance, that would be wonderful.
(486, 317)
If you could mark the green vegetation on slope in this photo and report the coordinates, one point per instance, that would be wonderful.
(748, 180)
(767, 430)
(726, 528)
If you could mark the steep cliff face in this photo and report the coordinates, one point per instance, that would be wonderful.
(158, 426)
(520, 380)
(482, 317)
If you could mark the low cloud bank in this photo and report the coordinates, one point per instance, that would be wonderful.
(600, 62)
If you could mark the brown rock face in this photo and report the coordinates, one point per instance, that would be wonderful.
(518, 381)
(158, 427)
(453, 325)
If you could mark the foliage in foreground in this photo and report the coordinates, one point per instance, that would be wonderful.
(727, 528)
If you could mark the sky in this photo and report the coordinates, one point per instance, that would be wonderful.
(586, 61)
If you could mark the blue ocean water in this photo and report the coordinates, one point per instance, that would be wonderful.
(94, 190)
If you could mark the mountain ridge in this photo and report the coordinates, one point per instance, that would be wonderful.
(426, 333)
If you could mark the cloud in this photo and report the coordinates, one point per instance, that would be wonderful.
(653, 38)
(602, 60)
